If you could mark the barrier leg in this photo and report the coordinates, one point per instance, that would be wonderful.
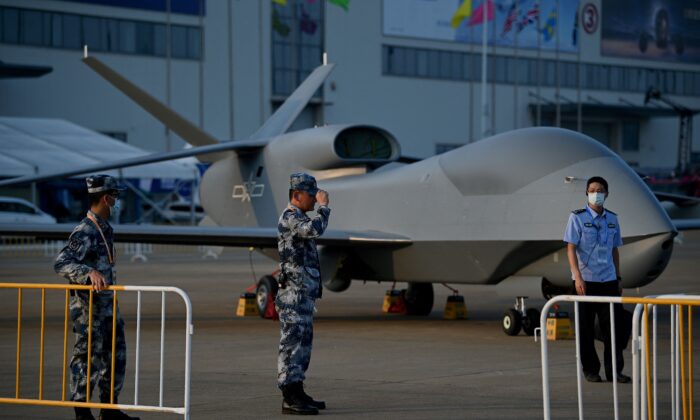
(89, 349)
(65, 346)
(19, 342)
(578, 362)
(41, 344)
(613, 356)
(114, 345)
(682, 353)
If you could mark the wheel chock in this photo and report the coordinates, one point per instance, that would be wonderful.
(394, 302)
(455, 308)
(247, 306)
(559, 326)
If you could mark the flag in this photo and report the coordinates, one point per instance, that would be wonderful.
(478, 14)
(550, 26)
(278, 26)
(530, 17)
(306, 24)
(464, 10)
(280, 2)
(511, 17)
(345, 4)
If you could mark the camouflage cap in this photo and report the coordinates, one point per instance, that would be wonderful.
(301, 181)
(101, 182)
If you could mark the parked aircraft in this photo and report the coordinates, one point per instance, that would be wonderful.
(479, 214)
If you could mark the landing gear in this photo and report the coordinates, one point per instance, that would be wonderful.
(419, 299)
(519, 317)
(265, 293)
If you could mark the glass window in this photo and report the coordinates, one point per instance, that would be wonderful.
(630, 136)
(143, 38)
(10, 26)
(31, 27)
(433, 64)
(159, 40)
(56, 30)
(422, 63)
(71, 31)
(194, 43)
(178, 41)
(111, 31)
(94, 34)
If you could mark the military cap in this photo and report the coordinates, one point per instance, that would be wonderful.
(101, 182)
(301, 181)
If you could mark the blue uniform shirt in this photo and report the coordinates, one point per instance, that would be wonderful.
(595, 236)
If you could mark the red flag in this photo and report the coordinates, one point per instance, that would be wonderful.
(478, 14)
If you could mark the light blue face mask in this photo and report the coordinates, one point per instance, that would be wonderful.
(116, 208)
(596, 198)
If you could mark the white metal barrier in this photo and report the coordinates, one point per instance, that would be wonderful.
(644, 349)
(184, 410)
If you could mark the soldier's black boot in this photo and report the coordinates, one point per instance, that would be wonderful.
(294, 402)
(110, 414)
(83, 413)
(321, 405)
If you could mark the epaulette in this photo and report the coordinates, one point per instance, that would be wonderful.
(611, 212)
(579, 211)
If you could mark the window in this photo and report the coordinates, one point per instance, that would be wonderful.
(445, 147)
(72, 31)
(630, 136)
(297, 45)
(463, 66)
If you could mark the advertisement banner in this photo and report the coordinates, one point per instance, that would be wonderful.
(667, 30)
(545, 24)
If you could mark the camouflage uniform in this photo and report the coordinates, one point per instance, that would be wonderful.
(86, 251)
(299, 264)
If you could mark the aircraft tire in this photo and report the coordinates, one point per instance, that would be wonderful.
(266, 290)
(531, 321)
(512, 322)
(419, 299)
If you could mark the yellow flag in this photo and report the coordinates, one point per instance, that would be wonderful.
(280, 2)
(465, 10)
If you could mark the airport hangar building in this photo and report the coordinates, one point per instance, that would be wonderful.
(401, 65)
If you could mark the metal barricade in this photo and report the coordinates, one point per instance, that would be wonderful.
(644, 349)
(184, 410)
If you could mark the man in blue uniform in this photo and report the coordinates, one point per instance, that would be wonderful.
(300, 286)
(88, 259)
(593, 236)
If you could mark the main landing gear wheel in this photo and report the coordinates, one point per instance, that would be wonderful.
(519, 317)
(266, 290)
(511, 322)
(419, 299)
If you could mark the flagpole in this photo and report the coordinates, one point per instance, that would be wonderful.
(539, 59)
(579, 110)
(471, 83)
(556, 61)
(484, 46)
(515, 66)
(492, 125)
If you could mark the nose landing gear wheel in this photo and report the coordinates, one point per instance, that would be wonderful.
(511, 322)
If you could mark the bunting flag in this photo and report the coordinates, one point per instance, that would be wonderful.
(511, 18)
(278, 26)
(478, 14)
(530, 17)
(344, 4)
(306, 24)
(464, 11)
(550, 26)
(280, 2)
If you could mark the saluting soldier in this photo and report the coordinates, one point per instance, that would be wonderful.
(300, 286)
(593, 236)
(89, 259)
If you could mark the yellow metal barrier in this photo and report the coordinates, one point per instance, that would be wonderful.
(67, 288)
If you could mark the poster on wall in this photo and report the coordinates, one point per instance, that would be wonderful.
(667, 30)
(546, 24)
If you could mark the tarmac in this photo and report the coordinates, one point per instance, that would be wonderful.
(365, 364)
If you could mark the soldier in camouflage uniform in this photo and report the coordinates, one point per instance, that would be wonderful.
(88, 259)
(300, 286)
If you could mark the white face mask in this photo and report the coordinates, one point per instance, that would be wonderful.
(596, 198)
